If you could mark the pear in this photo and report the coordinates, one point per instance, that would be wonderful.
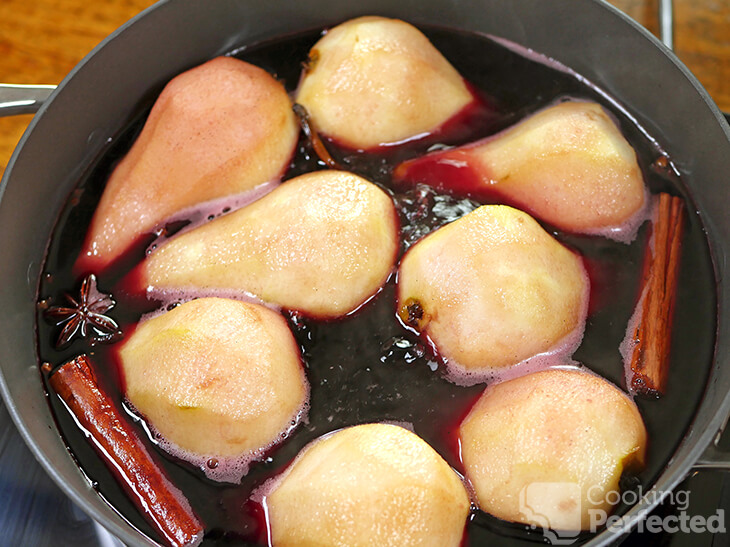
(492, 289)
(372, 484)
(568, 165)
(217, 130)
(215, 378)
(550, 447)
(374, 81)
(322, 243)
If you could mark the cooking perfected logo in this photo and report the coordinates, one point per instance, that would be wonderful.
(555, 507)
(563, 512)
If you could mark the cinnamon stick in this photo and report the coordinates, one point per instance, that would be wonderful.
(649, 356)
(161, 503)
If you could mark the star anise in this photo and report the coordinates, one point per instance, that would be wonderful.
(85, 316)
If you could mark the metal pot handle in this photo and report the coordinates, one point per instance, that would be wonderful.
(23, 99)
(713, 459)
(666, 23)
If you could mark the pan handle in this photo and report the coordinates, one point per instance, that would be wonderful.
(713, 459)
(666, 23)
(23, 99)
(666, 29)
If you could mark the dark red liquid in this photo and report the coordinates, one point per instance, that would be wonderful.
(367, 367)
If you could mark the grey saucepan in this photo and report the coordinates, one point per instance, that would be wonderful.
(102, 92)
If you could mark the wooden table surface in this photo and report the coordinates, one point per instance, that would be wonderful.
(41, 41)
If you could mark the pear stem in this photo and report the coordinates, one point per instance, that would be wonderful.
(315, 140)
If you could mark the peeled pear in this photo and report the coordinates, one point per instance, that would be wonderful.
(492, 289)
(568, 165)
(373, 484)
(322, 243)
(549, 447)
(217, 130)
(215, 378)
(374, 81)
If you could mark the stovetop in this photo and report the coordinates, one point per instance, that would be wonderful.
(35, 513)
(33, 510)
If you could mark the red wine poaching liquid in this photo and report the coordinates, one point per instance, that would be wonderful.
(367, 367)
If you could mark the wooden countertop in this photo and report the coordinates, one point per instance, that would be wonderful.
(42, 40)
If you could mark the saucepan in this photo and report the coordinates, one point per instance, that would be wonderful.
(105, 90)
